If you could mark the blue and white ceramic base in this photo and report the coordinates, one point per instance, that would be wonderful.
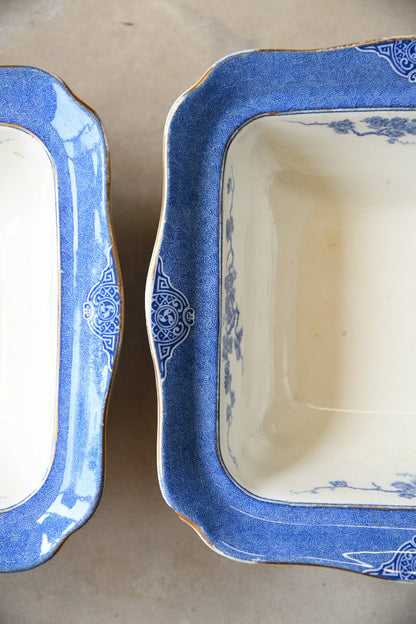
(231, 365)
(61, 314)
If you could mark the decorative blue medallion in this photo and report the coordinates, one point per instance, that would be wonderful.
(400, 54)
(400, 567)
(171, 317)
(102, 309)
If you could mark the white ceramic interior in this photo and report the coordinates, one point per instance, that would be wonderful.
(319, 294)
(29, 314)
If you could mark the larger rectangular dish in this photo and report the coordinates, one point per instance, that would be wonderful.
(281, 303)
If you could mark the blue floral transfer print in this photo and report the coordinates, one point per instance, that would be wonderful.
(403, 489)
(232, 331)
(394, 129)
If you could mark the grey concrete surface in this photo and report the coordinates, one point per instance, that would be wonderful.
(135, 561)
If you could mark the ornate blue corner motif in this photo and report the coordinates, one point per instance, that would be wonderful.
(401, 566)
(171, 317)
(102, 309)
(400, 54)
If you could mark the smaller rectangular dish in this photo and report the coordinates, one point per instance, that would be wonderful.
(281, 301)
(59, 317)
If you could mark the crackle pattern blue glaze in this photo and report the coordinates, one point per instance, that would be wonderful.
(193, 480)
(39, 102)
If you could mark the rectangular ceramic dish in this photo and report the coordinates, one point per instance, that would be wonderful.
(59, 317)
(281, 308)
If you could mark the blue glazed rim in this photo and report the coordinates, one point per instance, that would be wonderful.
(182, 308)
(41, 103)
